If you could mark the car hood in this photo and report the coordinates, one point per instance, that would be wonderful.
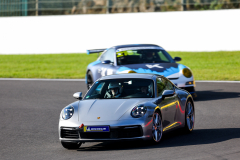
(169, 70)
(106, 109)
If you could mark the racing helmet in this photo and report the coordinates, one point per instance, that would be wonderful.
(113, 85)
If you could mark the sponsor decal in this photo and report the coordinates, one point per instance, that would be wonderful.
(96, 129)
(105, 71)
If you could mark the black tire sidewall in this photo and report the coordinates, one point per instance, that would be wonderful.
(89, 74)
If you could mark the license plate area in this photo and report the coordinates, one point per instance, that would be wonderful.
(96, 129)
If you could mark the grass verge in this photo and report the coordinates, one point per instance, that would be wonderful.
(222, 65)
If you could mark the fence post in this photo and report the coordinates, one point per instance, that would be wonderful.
(107, 6)
(24, 7)
(36, 7)
(184, 8)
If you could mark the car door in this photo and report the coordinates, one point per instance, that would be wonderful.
(107, 68)
(168, 104)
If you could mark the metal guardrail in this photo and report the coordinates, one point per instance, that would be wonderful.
(66, 7)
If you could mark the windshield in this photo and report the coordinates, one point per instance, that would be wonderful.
(136, 56)
(121, 89)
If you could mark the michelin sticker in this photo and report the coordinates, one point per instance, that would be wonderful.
(96, 128)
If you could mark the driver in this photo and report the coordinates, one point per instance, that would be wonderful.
(114, 90)
(144, 89)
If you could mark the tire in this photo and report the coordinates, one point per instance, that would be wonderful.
(69, 145)
(89, 79)
(189, 117)
(157, 128)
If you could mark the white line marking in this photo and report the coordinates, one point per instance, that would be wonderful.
(33, 79)
(219, 81)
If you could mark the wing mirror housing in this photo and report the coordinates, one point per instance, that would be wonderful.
(78, 95)
(168, 93)
(106, 62)
(176, 59)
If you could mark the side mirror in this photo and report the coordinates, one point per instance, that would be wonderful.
(168, 93)
(176, 59)
(78, 95)
(106, 62)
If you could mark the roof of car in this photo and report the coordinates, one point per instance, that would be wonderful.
(135, 45)
(129, 75)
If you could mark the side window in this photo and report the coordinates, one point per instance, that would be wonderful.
(169, 85)
(160, 86)
(162, 56)
(108, 55)
(163, 84)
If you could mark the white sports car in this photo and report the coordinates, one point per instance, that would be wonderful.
(140, 58)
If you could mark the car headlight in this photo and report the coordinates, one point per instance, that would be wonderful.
(67, 112)
(187, 73)
(138, 111)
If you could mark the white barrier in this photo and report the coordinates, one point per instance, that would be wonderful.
(174, 31)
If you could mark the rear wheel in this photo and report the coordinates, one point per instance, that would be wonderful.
(157, 128)
(189, 117)
(69, 145)
(89, 79)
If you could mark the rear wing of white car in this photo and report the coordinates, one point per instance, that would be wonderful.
(95, 51)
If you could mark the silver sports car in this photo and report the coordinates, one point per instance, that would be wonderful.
(126, 107)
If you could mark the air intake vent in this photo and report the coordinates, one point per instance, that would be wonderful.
(69, 133)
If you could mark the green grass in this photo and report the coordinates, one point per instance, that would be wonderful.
(222, 65)
(45, 65)
(205, 65)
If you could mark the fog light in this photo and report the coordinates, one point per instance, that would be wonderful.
(190, 83)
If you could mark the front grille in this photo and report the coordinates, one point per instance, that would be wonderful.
(130, 132)
(121, 132)
(69, 133)
(95, 135)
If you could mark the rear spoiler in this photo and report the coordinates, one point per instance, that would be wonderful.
(95, 51)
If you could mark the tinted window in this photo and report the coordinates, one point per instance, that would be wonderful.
(169, 85)
(121, 88)
(163, 84)
(136, 56)
(160, 86)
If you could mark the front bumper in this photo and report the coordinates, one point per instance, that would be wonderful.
(182, 82)
(74, 134)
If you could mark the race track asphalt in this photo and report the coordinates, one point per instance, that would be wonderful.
(29, 125)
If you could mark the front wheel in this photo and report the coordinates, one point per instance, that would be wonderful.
(189, 117)
(69, 145)
(157, 128)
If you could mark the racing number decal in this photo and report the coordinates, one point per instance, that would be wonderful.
(105, 71)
